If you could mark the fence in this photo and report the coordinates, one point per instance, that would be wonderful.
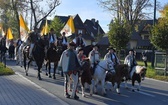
(161, 61)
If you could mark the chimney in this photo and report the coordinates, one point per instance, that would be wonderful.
(93, 21)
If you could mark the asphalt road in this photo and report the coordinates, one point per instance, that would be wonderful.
(152, 92)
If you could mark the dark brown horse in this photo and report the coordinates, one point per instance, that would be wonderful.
(53, 55)
(38, 53)
(121, 72)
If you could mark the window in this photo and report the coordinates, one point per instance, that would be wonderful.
(80, 31)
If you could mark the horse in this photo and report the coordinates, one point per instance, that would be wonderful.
(53, 55)
(136, 75)
(121, 72)
(86, 76)
(38, 53)
(19, 54)
(100, 73)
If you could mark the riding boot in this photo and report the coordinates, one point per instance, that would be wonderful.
(76, 97)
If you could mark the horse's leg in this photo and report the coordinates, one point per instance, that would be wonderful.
(49, 69)
(46, 68)
(28, 66)
(139, 82)
(55, 66)
(103, 89)
(133, 84)
(24, 61)
(82, 82)
(95, 81)
(118, 87)
(75, 82)
(126, 86)
(62, 73)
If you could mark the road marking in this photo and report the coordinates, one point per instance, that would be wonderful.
(144, 93)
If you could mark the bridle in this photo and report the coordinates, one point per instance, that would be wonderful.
(105, 68)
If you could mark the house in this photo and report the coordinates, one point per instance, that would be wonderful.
(139, 39)
(89, 29)
(93, 28)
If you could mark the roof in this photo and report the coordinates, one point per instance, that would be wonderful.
(104, 41)
(93, 27)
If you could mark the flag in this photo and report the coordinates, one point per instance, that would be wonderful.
(23, 29)
(9, 34)
(3, 33)
(44, 29)
(9, 37)
(69, 28)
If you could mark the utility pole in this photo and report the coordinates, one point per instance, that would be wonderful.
(154, 21)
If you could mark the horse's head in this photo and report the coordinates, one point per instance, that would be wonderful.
(143, 71)
(86, 65)
(110, 66)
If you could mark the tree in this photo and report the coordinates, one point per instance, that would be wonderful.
(57, 25)
(159, 37)
(38, 10)
(119, 34)
(129, 10)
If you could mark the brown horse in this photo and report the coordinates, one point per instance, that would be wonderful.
(121, 72)
(86, 76)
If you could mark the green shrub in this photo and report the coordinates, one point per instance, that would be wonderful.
(5, 70)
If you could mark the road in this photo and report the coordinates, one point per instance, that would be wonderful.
(152, 92)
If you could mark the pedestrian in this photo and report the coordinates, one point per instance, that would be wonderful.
(70, 65)
(144, 57)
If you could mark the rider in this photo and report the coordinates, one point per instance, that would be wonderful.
(110, 55)
(64, 41)
(94, 57)
(80, 55)
(70, 66)
(80, 41)
(52, 37)
(34, 37)
(130, 60)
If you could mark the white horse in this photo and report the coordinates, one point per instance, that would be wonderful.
(19, 55)
(100, 73)
(136, 75)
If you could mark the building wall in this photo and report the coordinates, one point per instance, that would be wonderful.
(133, 44)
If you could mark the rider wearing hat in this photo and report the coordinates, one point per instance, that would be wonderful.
(130, 60)
(94, 57)
(80, 55)
(70, 66)
(110, 54)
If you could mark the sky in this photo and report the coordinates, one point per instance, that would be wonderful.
(88, 9)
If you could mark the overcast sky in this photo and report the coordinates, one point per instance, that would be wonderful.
(88, 9)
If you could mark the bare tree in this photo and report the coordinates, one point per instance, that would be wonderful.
(41, 9)
(129, 10)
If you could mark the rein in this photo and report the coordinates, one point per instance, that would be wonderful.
(105, 68)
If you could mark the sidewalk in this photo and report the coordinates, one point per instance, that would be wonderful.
(17, 90)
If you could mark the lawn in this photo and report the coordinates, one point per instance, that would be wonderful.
(155, 74)
(5, 70)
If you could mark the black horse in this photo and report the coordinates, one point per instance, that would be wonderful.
(38, 53)
(53, 55)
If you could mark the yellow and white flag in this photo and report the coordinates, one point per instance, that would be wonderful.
(3, 33)
(69, 28)
(23, 29)
(9, 37)
(44, 29)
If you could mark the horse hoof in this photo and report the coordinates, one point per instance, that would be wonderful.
(40, 78)
(133, 90)
(118, 93)
(138, 90)
(50, 76)
(83, 95)
(54, 77)
(96, 93)
(46, 74)
(26, 74)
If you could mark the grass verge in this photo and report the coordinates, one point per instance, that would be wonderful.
(5, 70)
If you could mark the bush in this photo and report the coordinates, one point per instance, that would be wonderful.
(5, 70)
